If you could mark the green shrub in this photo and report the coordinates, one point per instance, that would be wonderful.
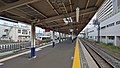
(110, 44)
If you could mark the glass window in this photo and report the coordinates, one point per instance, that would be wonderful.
(19, 31)
(24, 32)
(118, 22)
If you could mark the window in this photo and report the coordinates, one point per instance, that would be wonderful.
(111, 37)
(118, 3)
(91, 31)
(24, 32)
(103, 27)
(118, 22)
(109, 25)
(29, 32)
(19, 31)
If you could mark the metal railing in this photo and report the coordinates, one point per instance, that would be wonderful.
(20, 46)
(14, 46)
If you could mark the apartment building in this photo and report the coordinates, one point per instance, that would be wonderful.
(15, 33)
(108, 16)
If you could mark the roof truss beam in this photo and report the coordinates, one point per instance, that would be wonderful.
(19, 14)
(16, 4)
(60, 17)
(53, 7)
(37, 11)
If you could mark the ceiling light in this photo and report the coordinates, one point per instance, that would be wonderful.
(71, 30)
(77, 29)
(67, 20)
(77, 14)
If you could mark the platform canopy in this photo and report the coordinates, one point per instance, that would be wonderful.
(57, 15)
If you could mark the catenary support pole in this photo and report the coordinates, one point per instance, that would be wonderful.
(98, 32)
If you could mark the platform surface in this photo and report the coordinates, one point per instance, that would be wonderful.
(58, 57)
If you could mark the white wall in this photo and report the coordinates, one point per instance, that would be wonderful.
(108, 31)
(14, 32)
(2, 31)
(93, 32)
(113, 30)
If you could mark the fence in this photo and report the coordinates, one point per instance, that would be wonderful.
(21, 45)
(14, 46)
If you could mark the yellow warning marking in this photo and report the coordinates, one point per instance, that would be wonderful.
(76, 61)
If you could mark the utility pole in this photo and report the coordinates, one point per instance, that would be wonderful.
(98, 32)
(95, 22)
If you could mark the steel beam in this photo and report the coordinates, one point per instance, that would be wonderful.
(19, 14)
(16, 4)
(87, 4)
(70, 5)
(37, 11)
(53, 7)
(97, 2)
(60, 17)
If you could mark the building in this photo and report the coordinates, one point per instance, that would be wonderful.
(82, 34)
(15, 33)
(108, 16)
(91, 33)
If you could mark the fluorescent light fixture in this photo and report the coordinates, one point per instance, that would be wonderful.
(71, 30)
(77, 29)
(77, 14)
(67, 20)
(70, 19)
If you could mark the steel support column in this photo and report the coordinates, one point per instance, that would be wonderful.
(72, 36)
(62, 37)
(59, 37)
(33, 40)
(53, 39)
(65, 37)
(115, 42)
(98, 32)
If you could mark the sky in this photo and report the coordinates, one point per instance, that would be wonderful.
(90, 24)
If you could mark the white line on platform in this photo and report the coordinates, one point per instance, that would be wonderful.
(1, 64)
(14, 56)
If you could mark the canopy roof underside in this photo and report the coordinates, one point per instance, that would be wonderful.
(50, 13)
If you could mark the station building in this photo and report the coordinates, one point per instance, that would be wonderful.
(108, 16)
(15, 33)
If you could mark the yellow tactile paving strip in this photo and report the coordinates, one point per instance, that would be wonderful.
(76, 61)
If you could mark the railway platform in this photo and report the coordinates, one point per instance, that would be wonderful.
(64, 55)
(48, 57)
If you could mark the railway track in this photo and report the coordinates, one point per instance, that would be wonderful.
(102, 59)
